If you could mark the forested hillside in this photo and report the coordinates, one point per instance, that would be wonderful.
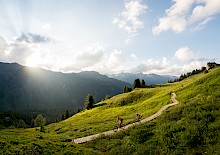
(32, 89)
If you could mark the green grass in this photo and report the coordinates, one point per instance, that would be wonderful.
(188, 128)
(192, 127)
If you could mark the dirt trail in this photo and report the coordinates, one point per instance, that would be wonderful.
(88, 138)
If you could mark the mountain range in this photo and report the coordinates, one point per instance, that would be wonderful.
(148, 78)
(30, 89)
(51, 93)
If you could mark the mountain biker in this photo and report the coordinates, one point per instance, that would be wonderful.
(119, 121)
(138, 117)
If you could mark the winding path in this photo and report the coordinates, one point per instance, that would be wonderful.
(88, 138)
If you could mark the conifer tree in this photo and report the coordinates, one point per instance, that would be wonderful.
(62, 117)
(89, 102)
(137, 83)
(125, 89)
(142, 83)
(67, 114)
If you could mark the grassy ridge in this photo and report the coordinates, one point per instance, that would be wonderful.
(192, 124)
(103, 117)
(192, 127)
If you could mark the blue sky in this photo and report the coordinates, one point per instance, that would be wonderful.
(150, 36)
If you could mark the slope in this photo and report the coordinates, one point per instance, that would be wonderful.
(32, 89)
(192, 127)
(112, 132)
(171, 133)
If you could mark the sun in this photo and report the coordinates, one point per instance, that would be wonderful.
(33, 61)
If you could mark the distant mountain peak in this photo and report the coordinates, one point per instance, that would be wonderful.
(26, 88)
(149, 78)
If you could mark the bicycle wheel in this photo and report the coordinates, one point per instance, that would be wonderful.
(115, 129)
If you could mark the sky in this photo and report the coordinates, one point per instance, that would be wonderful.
(166, 37)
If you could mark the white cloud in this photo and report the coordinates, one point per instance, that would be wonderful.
(95, 57)
(179, 8)
(177, 24)
(184, 54)
(89, 57)
(32, 55)
(151, 65)
(204, 10)
(112, 62)
(133, 57)
(4, 48)
(26, 50)
(81, 60)
(32, 38)
(12, 52)
(188, 61)
(202, 24)
(31, 52)
(175, 17)
(192, 65)
(115, 59)
(165, 62)
(19, 52)
(129, 19)
(130, 37)
(167, 67)
(179, 15)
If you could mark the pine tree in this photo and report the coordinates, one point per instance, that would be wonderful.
(137, 83)
(62, 117)
(78, 110)
(57, 120)
(67, 114)
(142, 83)
(89, 102)
(125, 89)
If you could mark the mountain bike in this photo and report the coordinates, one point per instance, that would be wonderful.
(115, 129)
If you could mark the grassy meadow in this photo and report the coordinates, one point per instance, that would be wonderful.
(192, 127)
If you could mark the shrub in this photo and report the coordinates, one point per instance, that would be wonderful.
(40, 121)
